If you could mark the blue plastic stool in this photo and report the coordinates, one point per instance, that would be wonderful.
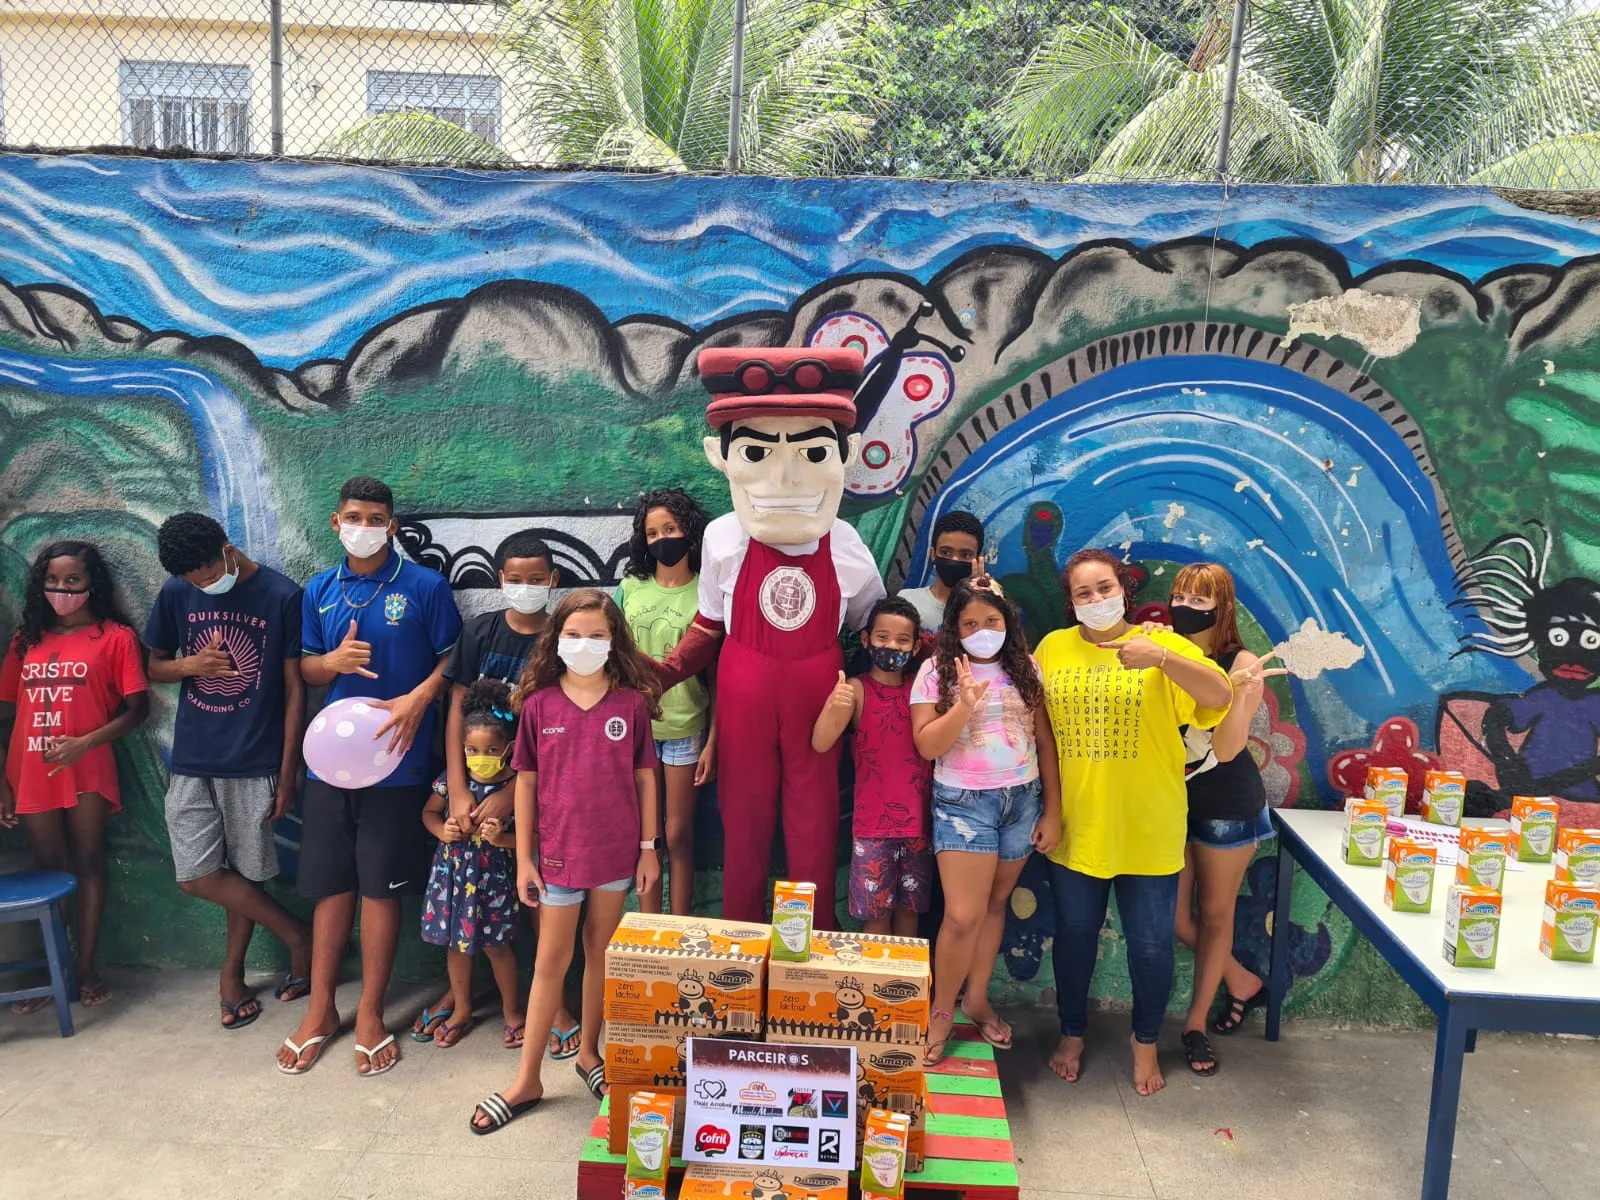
(40, 896)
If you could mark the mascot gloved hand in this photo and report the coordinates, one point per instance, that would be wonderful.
(779, 576)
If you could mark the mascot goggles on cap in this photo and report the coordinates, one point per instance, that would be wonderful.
(783, 440)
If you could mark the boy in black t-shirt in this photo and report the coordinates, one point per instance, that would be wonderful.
(227, 630)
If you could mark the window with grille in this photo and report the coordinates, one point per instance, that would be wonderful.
(199, 106)
(470, 101)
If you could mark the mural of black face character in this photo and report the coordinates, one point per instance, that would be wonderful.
(1564, 623)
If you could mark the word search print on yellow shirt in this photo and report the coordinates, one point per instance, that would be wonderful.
(1124, 806)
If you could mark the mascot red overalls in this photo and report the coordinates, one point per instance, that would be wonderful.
(778, 577)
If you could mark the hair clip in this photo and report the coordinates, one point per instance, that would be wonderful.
(504, 714)
(988, 583)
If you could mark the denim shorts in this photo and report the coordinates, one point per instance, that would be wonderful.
(681, 752)
(1231, 835)
(987, 821)
(556, 896)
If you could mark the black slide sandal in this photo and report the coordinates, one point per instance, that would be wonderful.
(500, 1113)
(1237, 1010)
(1202, 1061)
(594, 1079)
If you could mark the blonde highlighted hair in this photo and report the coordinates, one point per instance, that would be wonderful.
(1215, 582)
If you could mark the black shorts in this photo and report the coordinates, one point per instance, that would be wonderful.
(367, 840)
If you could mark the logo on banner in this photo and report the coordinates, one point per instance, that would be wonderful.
(788, 598)
(828, 1145)
(710, 1140)
(753, 1142)
(836, 1105)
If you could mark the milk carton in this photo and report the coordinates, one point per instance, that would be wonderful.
(792, 907)
(1408, 876)
(883, 1155)
(1388, 784)
(1443, 796)
(1481, 857)
(1472, 926)
(649, 1157)
(1571, 911)
(1533, 828)
(1578, 855)
(1364, 825)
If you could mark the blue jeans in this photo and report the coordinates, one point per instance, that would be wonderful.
(1148, 906)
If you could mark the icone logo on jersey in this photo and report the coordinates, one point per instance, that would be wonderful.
(708, 1139)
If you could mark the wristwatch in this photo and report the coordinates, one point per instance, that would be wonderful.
(655, 843)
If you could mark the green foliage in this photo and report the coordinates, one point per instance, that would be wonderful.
(413, 137)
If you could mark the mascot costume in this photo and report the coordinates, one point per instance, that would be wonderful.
(779, 576)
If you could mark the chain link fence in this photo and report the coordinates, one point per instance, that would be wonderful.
(1503, 92)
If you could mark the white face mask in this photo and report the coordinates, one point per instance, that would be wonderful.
(223, 583)
(1102, 614)
(985, 643)
(526, 597)
(584, 656)
(361, 541)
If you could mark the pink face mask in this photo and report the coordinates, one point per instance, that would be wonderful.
(66, 603)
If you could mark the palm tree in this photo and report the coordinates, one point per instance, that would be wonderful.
(1329, 91)
(413, 137)
(648, 83)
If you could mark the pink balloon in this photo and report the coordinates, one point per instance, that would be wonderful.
(340, 748)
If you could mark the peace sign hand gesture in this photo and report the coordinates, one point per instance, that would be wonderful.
(972, 692)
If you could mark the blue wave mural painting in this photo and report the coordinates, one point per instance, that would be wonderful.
(1078, 365)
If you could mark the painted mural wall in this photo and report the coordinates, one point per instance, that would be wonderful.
(1376, 405)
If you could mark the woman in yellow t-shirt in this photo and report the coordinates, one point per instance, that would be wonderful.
(1116, 698)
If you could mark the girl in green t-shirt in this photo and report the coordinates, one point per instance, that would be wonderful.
(659, 598)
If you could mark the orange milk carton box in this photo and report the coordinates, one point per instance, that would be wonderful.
(1571, 911)
(1365, 822)
(1481, 857)
(688, 973)
(1388, 784)
(793, 906)
(1472, 926)
(649, 1156)
(1444, 794)
(754, 1181)
(647, 1055)
(1408, 876)
(1533, 828)
(1577, 855)
(856, 988)
(884, 1145)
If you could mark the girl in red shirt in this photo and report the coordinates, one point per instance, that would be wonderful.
(72, 682)
(586, 818)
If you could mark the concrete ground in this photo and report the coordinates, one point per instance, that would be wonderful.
(153, 1099)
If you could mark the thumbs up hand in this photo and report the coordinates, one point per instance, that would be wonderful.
(843, 696)
(350, 657)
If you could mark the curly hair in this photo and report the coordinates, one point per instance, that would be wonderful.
(1014, 657)
(691, 518)
(188, 541)
(1120, 569)
(487, 705)
(626, 668)
(38, 618)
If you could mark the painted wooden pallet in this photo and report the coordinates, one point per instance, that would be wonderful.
(968, 1148)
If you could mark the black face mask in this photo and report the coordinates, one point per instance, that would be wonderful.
(669, 551)
(952, 571)
(1187, 620)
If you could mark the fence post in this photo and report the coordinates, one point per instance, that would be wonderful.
(1230, 88)
(736, 104)
(275, 22)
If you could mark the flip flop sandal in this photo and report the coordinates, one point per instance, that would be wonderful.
(993, 1038)
(23, 1007)
(425, 1034)
(594, 1079)
(300, 985)
(311, 1043)
(236, 1011)
(1198, 1050)
(500, 1113)
(373, 1068)
(448, 1035)
(570, 1037)
(513, 1036)
(935, 1052)
(1238, 1010)
(94, 995)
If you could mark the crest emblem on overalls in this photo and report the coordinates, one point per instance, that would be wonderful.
(788, 598)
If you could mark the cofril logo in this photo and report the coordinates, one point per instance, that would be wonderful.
(731, 979)
(894, 992)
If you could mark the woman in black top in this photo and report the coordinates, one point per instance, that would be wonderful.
(1227, 811)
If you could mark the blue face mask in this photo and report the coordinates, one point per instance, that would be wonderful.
(223, 583)
(887, 658)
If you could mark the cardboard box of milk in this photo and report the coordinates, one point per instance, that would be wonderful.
(1408, 875)
(1444, 795)
(1571, 911)
(1389, 784)
(1364, 824)
(1472, 926)
(1481, 856)
(1577, 855)
(1533, 828)
(883, 1155)
(649, 1155)
(753, 1181)
(793, 905)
